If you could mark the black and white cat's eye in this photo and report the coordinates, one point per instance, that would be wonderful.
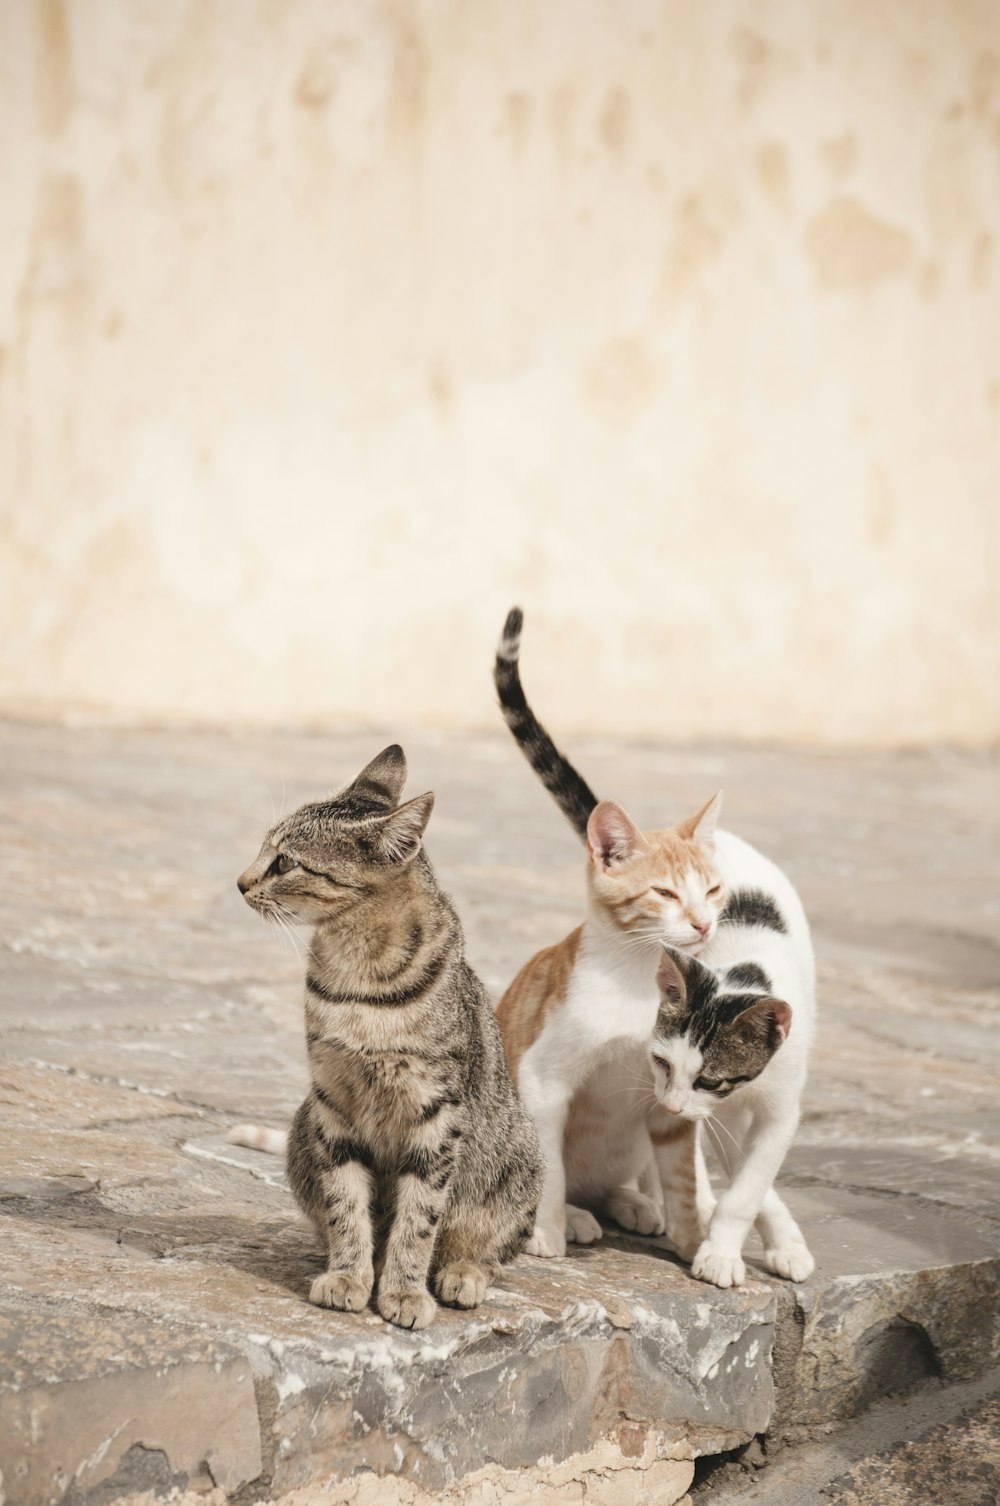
(713, 1087)
(662, 1063)
(283, 863)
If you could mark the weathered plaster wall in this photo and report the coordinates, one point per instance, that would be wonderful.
(328, 330)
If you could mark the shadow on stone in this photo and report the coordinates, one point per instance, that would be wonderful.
(140, 1470)
(894, 1358)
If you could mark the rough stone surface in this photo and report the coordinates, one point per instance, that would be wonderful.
(958, 1463)
(937, 1447)
(91, 1402)
(143, 1009)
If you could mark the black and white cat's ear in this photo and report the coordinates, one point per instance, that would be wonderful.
(612, 836)
(383, 778)
(701, 826)
(399, 834)
(672, 978)
(766, 1023)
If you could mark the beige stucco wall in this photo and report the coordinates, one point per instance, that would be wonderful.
(327, 330)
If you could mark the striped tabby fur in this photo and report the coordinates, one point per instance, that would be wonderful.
(568, 789)
(411, 1153)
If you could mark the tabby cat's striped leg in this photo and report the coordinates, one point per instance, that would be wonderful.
(466, 1257)
(347, 1188)
(424, 1175)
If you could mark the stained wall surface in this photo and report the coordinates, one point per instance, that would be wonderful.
(328, 330)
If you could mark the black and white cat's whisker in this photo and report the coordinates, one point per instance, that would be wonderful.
(718, 1125)
(720, 1149)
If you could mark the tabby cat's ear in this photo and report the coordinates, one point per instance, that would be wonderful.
(701, 826)
(672, 978)
(765, 1024)
(384, 777)
(398, 834)
(611, 836)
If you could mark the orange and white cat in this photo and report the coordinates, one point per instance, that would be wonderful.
(577, 1022)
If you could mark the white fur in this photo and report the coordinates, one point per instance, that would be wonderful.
(596, 1041)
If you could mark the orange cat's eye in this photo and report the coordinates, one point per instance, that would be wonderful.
(716, 889)
(667, 893)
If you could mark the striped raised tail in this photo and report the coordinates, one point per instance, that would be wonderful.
(568, 789)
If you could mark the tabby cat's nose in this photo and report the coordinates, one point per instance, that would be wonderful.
(242, 885)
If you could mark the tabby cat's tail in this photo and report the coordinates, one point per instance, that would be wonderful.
(571, 793)
(255, 1137)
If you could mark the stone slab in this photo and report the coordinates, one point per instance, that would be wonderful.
(905, 1292)
(143, 1010)
(614, 1344)
(93, 1402)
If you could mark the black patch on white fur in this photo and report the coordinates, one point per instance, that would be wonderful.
(752, 907)
(748, 975)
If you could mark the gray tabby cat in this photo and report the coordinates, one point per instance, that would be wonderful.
(411, 1153)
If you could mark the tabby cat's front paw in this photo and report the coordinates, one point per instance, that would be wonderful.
(461, 1284)
(407, 1309)
(340, 1289)
(547, 1241)
(794, 1262)
(717, 1267)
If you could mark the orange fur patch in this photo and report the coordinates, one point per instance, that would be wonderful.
(540, 986)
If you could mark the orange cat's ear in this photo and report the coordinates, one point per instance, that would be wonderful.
(611, 836)
(701, 826)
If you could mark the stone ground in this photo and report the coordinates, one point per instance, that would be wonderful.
(153, 1329)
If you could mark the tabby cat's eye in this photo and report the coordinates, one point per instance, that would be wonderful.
(283, 863)
(667, 893)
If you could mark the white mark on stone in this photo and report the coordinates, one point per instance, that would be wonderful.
(290, 1385)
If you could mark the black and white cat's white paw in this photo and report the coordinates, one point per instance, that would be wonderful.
(719, 1267)
(582, 1227)
(635, 1211)
(793, 1262)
